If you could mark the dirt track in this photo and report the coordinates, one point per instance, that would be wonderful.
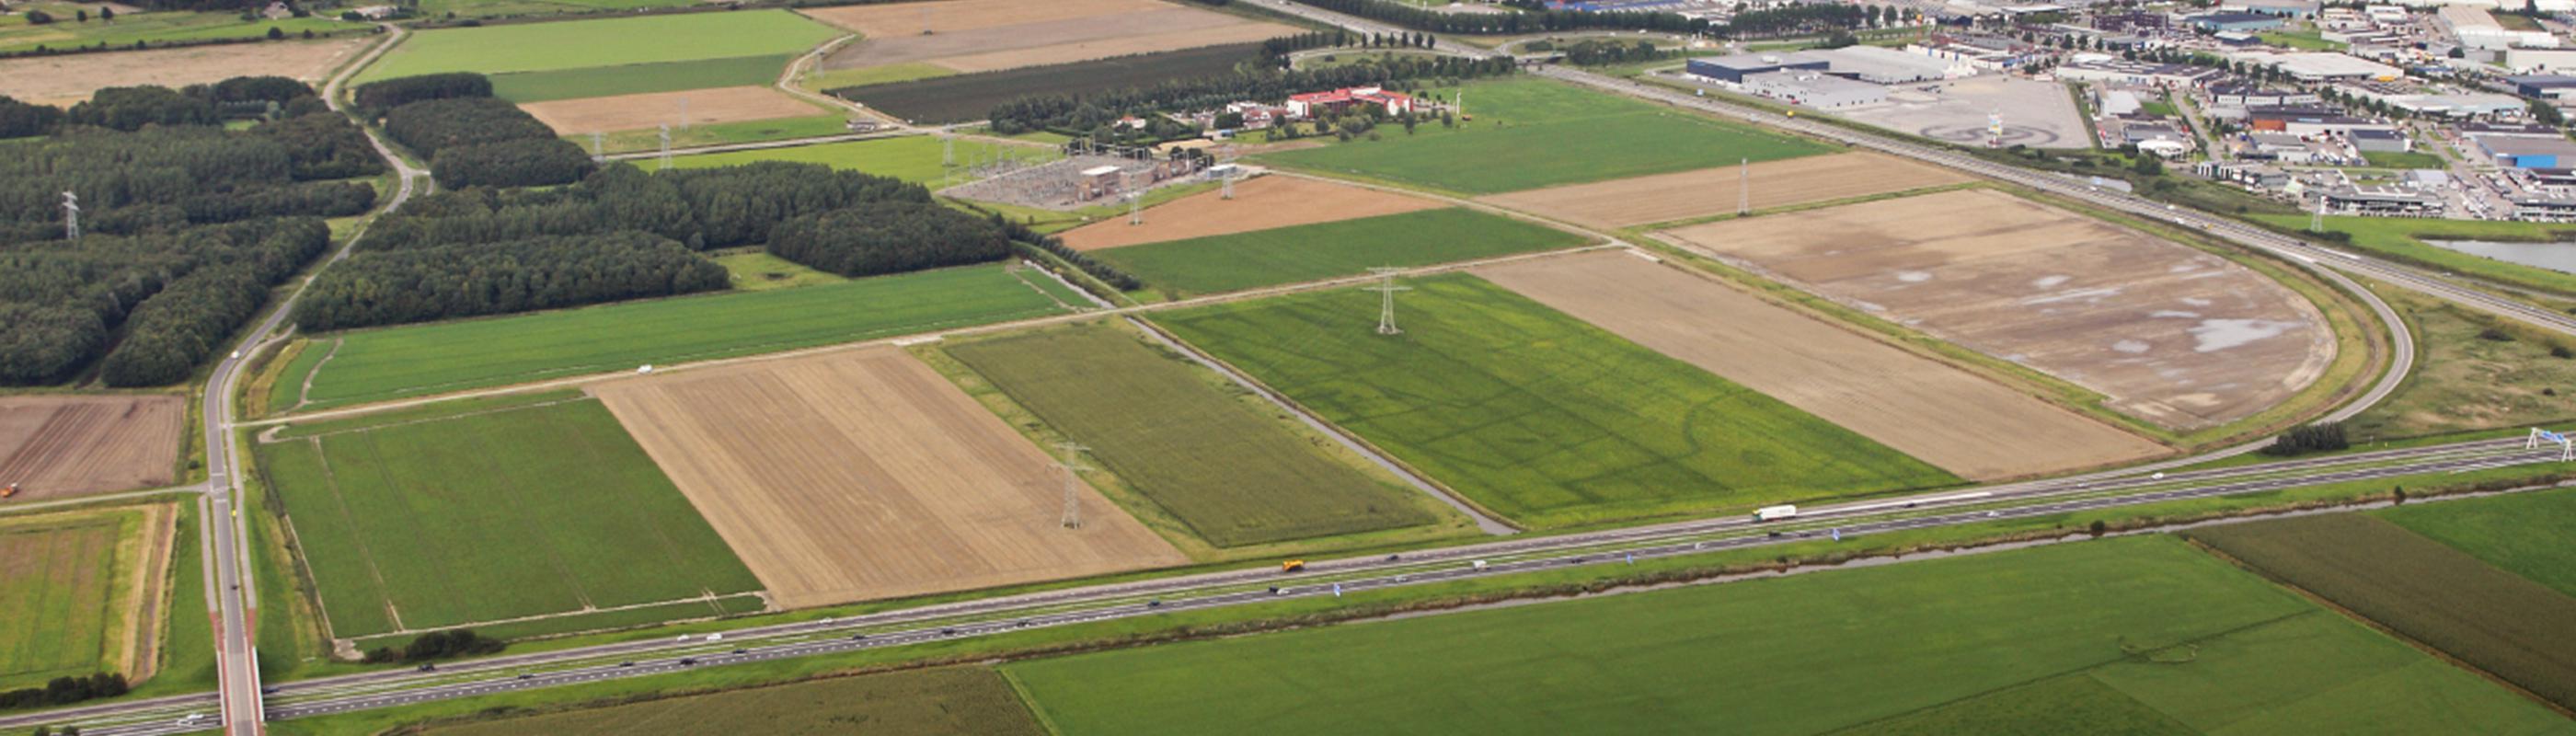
(1970, 426)
(633, 112)
(1705, 192)
(976, 36)
(63, 80)
(58, 446)
(866, 475)
(1261, 203)
(2174, 336)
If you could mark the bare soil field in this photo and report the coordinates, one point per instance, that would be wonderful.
(1055, 35)
(1260, 203)
(951, 16)
(1968, 425)
(66, 79)
(631, 112)
(2174, 336)
(864, 475)
(59, 446)
(1691, 194)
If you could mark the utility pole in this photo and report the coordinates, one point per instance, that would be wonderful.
(1386, 290)
(598, 147)
(666, 147)
(2317, 222)
(1135, 199)
(684, 114)
(1072, 467)
(71, 216)
(1744, 187)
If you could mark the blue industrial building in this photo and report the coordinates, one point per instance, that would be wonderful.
(2246, 22)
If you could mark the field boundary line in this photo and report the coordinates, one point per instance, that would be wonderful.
(264, 439)
(704, 598)
(304, 396)
(332, 479)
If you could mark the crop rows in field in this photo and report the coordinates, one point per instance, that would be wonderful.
(950, 700)
(57, 579)
(536, 510)
(1230, 473)
(1535, 415)
(1323, 250)
(2523, 533)
(2491, 619)
(971, 96)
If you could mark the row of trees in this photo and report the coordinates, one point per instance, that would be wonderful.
(438, 645)
(478, 141)
(424, 284)
(1040, 112)
(702, 208)
(889, 237)
(393, 93)
(23, 119)
(1534, 18)
(2304, 439)
(436, 125)
(162, 179)
(65, 691)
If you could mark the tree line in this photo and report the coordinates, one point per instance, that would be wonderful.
(889, 237)
(1081, 114)
(162, 179)
(1535, 17)
(175, 296)
(2304, 439)
(65, 691)
(471, 138)
(426, 284)
(702, 208)
(437, 645)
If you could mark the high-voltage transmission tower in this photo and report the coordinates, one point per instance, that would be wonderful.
(1744, 188)
(666, 146)
(1072, 467)
(71, 216)
(1386, 290)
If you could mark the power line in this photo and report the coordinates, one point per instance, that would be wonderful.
(1386, 289)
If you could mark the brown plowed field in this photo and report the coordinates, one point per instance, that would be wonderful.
(1970, 426)
(2172, 335)
(981, 41)
(951, 16)
(631, 112)
(57, 446)
(1260, 203)
(1691, 194)
(865, 475)
(63, 80)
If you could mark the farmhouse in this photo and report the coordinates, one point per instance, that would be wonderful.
(1311, 104)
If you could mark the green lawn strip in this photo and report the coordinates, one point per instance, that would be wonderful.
(2057, 705)
(1791, 656)
(2473, 372)
(292, 634)
(187, 638)
(595, 621)
(910, 158)
(759, 70)
(749, 131)
(958, 701)
(2523, 534)
(419, 360)
(156, 28)
(496, 515)
(2402, 159)
(881, 74)
(757, 270)
(286, 389)
(1305, 611)
(2403, 239)
(1551, 133)
(1233, 474)
(59, 584)
(1053, 287)
(1535, 415)
(1322, 250)
(591, 44)
(2519, 630)
(425, 412)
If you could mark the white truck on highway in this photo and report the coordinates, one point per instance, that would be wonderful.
(1774, 513)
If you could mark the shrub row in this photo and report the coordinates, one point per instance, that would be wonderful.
(423, 284)
(393, 93)
(703, 208)
(888, 237)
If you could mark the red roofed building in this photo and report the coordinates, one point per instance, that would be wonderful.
(1314, 103)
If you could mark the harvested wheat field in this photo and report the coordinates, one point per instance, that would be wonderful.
(631, 112)
(66, 79)
(2172, 335)
(1974, 428)
(1260, 203)
(57, 446)
(1690, 194)
(864, 474)
(978, 36)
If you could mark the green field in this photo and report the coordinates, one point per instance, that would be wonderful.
(748, 131)
(1538, 416)
(418, 360)
(1531, 133)
(187, 642)
(668, 76)
(2403, 239)
(154, 28)
(2153, 625)
(2465, 379)
(1231, 473)
(759, 271)
(1327, 249)
(606, 54)
(2524, 534)
(880, 74)
(492, 515)
(62, 577)
(2405, 160)
(498, 8)
(915, 158)
(2523, 632)
(958, 701)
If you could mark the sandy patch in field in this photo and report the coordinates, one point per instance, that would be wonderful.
(1692, 194)
(1057, 39)
(1970, 426)
(951, 16)
(1260, 203)
(58, 446)
(63, 80)
(865, 475)
(631, 112)
(2172, 335)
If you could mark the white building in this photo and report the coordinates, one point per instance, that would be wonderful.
(2318, 67)
(1813, 89)
(2527, 61)
(2478, 29)
(1890, 66)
